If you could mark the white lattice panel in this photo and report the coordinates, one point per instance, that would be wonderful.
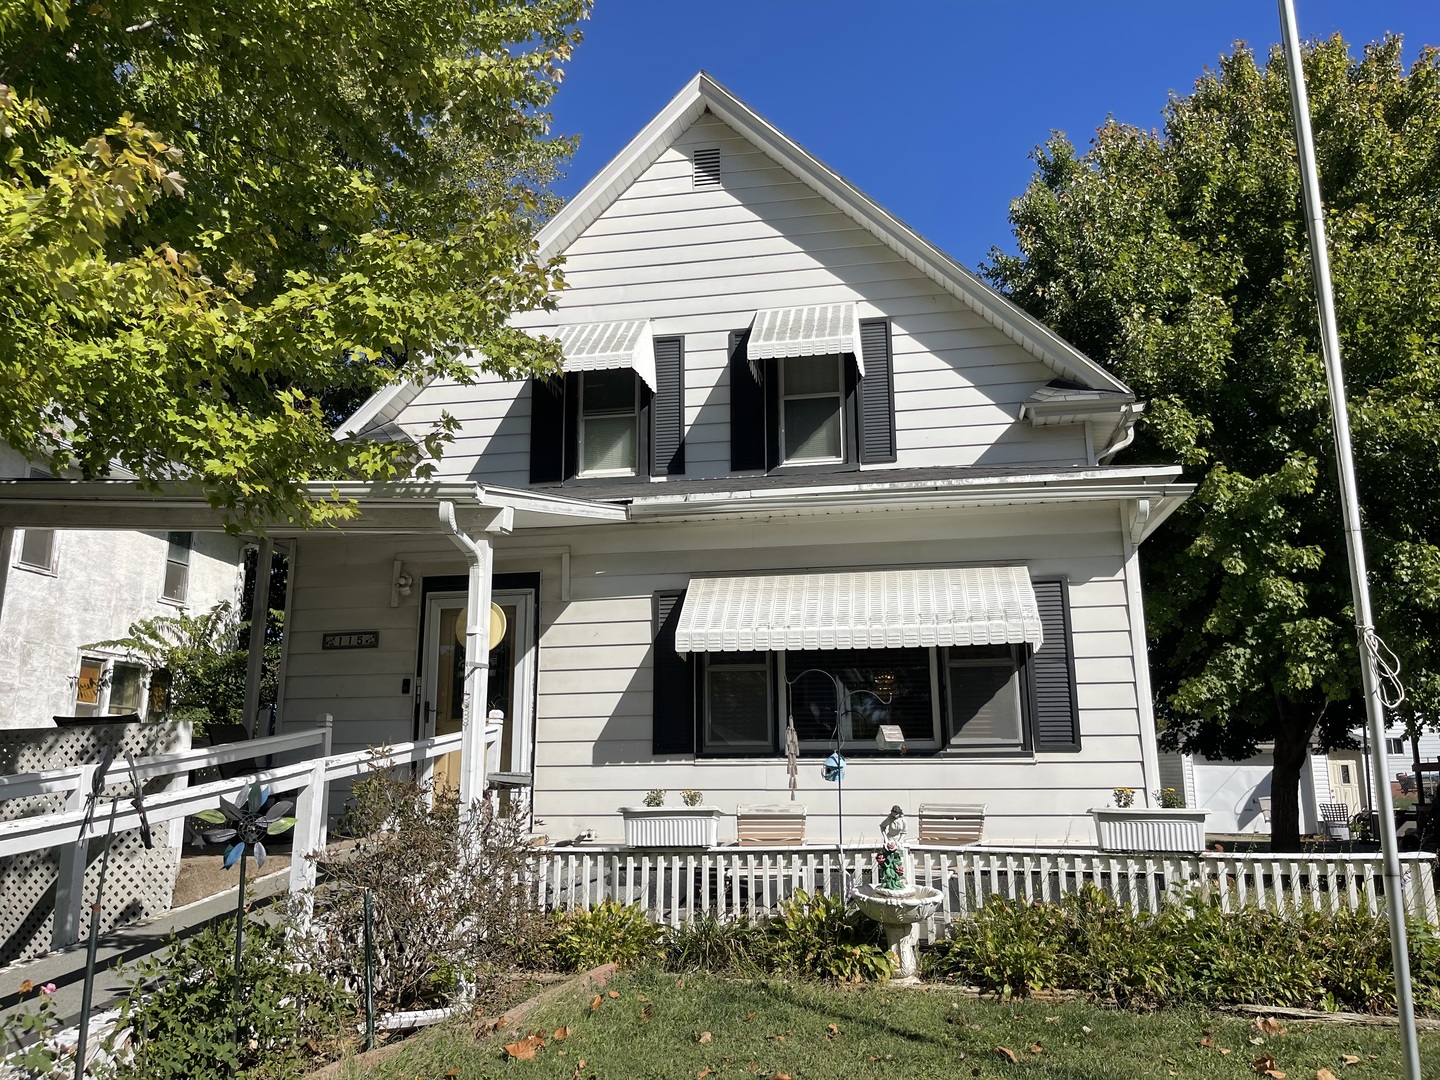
(139, 884)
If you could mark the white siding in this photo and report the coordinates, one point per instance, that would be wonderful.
(700, 263)
(594, 703)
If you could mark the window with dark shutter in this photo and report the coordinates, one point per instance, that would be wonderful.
(747, 407)
(668, 409)
(674, 687)
(877, 394)
(1056, 715)
(547, 430)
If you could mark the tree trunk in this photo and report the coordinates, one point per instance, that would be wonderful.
(1291, 749)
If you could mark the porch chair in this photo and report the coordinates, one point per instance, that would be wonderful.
(1336, 816)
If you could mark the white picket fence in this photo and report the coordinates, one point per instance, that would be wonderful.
(677, 886)
(306, 781)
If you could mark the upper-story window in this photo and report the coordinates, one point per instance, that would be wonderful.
(609, 422)
(811, 387)
(812, 410)
(177, 568)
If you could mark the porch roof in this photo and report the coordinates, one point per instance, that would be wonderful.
(398, 508)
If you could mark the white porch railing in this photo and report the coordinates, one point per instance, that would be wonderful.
(677, 886)
(306, 781)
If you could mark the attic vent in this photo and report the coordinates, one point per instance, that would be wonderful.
(707, 169)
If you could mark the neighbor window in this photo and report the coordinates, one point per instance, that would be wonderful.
(37, 549)
(177, 568)
(37, 546)
(609, 422)
(1394, 746)
(812, 396)
(107, 687)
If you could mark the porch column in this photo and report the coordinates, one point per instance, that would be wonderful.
(479, 555)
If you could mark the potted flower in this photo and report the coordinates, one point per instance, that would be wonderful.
(657, 825)
(1168, 826)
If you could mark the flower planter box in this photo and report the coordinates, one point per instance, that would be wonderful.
(671, 826)
(770, 824)
(1137, 829)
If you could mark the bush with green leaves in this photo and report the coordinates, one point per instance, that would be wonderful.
(184, 1020)
(26, 1034)
(453, 904)
(819, 936)
(1190, 952)
(608, 933)
(733, 946)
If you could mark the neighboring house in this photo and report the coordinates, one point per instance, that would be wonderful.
(1232, 790)
(795, 444)
(64, 589)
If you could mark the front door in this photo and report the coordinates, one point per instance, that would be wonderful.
(1345, 779)
(511, 688)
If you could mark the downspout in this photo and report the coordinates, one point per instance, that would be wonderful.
(477, 666)
(1124, 432)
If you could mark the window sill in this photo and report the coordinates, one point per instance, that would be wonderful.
(818, 467)
(168, 602)
(42, 571)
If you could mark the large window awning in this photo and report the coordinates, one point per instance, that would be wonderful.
(869, 609)
(604, 346)
(823, 330)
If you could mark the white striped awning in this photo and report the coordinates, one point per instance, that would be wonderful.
(603, 346)
(806, 331)
(869, 609)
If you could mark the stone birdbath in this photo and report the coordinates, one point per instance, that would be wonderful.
(896, 902)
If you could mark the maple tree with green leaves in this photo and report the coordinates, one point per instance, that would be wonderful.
(1179, 260)
(221, 227)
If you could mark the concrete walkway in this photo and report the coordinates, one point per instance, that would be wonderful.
(66, 969)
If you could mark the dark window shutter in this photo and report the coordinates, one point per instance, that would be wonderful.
(877, 393)
(668, 409)
(747, 407)
(674, 690)
(571, 441)
(1056, 713)
(547, 430)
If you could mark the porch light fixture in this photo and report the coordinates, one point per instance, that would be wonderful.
(401, 583)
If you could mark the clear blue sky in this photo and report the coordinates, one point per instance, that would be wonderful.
(931, 107)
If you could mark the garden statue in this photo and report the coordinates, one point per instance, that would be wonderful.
(896, 902)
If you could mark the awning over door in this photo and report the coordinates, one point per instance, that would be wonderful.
(870, 609)
(603, 346)
(806, 331)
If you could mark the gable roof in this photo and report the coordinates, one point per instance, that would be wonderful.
(704, 94)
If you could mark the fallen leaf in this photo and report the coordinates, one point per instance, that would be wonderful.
(680, 982)
(832, 1031)
(1256, 1040)
(1052, 1019)
(524, 1049)
(782, 1076)
(1086, 1029)
(502, 1022)
(1224, 1051)
(561, 1034)
(1274, 1074)
(1207, 1043)
(1263, 1063)
(1350, 1059)
(451, 1072)
(1268, 1025)
(704, 1037)
(753, 1066)
(750, 1016)
(614, 993)
(1324, 1074)
(707, 1071)
(1036, 1048)
(1006, 1053)
(595, 1002)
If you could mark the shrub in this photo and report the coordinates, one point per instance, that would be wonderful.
(609, 933)
(184, 1020)
(818, 936)
(451, 896)
(1192, 952)
(730, 946)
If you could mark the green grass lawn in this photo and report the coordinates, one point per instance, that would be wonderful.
(773, 1028)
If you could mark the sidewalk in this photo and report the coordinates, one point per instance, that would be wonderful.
(66, 969)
